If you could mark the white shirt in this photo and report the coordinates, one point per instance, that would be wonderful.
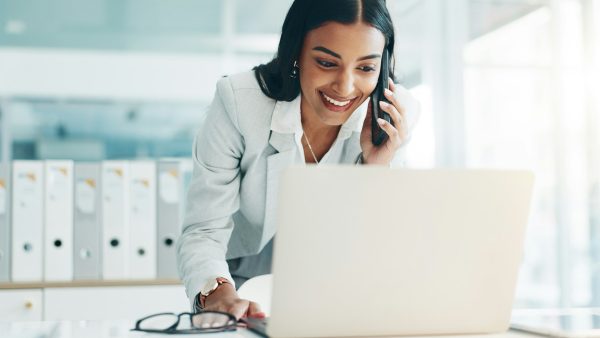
(289, 121)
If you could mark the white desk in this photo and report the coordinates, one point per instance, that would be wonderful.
(121, 329)
(94, 329)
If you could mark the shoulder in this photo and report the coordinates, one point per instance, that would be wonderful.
(243, 97)
(241, 81)
(242, 85)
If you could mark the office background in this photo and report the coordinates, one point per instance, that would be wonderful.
(503, 84)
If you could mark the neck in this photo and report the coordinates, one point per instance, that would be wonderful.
(320, 135)
(315, 128)
(319, 131)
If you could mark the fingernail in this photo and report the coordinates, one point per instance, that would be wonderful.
(383, 104)
(381, 121)
(388, 92)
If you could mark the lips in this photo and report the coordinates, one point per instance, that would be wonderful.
(335, 104)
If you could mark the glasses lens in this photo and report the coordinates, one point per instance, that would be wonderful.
(212, 320)
(159, 322)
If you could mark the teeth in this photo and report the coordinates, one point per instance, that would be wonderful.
(335, 102)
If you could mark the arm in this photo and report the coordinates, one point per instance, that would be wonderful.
(212, 200)
(213, 195)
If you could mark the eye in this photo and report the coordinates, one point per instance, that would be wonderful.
(367, 69)
(325, 64)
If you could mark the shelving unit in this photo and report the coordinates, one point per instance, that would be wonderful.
(90, 300)
(88, 283)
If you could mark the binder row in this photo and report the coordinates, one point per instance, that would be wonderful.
(62, 220)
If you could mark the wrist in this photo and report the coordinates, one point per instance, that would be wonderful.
(379, 161)
(213, 286)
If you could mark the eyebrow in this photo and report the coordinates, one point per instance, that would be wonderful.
(334, 54)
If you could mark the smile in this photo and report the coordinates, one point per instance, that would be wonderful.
(334, 104)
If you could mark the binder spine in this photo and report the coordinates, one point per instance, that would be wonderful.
(169, 211)
(5, 195)
(142, 255)
(58, 221)
(87, 224)
(27, 221)
(115, 220)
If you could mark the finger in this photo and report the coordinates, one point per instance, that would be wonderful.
(398, 121)
(255, 311)
(239, 308)
(210, 320)
(202, 321)
(389, 94)
(390, 130)
(394, 114)
(205, 320)
(391, 84)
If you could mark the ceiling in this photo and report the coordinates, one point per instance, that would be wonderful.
(198, 26)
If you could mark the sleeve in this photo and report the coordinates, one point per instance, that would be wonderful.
(213, 195)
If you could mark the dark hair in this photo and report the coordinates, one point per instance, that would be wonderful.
(305, 15)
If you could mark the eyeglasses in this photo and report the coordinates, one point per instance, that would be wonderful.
(201, 322)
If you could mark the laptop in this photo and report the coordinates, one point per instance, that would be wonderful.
(559, 323)
(374, 251)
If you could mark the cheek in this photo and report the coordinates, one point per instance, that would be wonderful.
(369, 85)
(312, 79)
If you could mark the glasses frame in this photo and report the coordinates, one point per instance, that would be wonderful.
(194, 330)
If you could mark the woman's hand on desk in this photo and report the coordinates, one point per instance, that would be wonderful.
(225, 299)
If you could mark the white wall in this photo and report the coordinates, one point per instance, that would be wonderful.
(108, 75)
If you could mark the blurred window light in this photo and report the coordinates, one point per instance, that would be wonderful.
(421, 151)
(15, 27)
(526, 107)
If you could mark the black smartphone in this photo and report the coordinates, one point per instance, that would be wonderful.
(379, 135)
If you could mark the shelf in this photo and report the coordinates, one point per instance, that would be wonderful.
(88, 283)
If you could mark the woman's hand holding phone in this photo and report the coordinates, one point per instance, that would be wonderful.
(384, 153)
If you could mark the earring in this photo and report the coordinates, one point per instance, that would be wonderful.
(295, 70)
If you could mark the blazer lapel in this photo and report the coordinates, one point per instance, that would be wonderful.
(285, 156)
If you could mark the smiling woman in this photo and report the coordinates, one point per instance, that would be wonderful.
(310, 104)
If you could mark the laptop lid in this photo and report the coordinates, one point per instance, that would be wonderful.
(366, 251)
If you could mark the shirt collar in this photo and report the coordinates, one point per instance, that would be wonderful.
(286, 118)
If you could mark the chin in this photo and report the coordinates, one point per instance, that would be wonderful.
(331, 118)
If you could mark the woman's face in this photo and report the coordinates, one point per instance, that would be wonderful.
(339, 66)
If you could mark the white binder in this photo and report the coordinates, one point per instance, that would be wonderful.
(87, 226)
(142, 254)
(115, 220)
(58, 221)
(27, 221)
(4, 223)
(170, 199)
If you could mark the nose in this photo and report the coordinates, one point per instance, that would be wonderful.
(344, 83)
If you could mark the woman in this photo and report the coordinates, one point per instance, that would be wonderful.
(305, 106)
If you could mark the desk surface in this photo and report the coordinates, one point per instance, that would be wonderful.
(121, 329)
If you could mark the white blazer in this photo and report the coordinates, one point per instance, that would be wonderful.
(239, 154)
